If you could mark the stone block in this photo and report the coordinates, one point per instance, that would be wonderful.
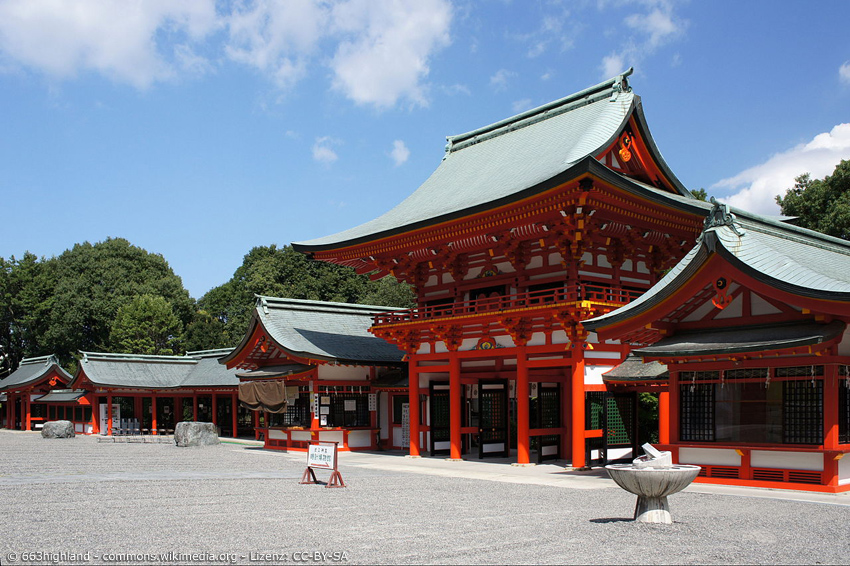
(195, 434)
(58, 429)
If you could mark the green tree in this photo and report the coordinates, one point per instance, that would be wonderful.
(821, 204)
(147, 325)
(93, 282)
(283, 272)
(26, 290)
(700, 194)
(206, 332)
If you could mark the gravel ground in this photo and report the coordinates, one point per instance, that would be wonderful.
(240, 504)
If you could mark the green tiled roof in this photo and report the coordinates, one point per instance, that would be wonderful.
(509, 160)
(62, 396)
(198, 369)
(634, 369)
(323, 330)
(31, 370)
(743, 339)
(786, 257)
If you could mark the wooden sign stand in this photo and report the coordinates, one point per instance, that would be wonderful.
(322, 455)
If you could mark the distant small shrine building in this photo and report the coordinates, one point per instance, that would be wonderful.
(147, 394)
(752, 328)
(528, 227)
(311, 371)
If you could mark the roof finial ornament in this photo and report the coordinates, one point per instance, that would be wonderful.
(720, 216)
(621, 83)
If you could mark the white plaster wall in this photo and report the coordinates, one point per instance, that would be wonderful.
(709, 456)
(628, 265)
(278, 434)
(555, 259)
(619, 453)
(633, 280)
(761, 307)
(593, 374)
(397, 436)
(844, 345)
(299, 435)
(359, 438)
(700, 312)
(331, 436)
(537, 339)
(560, 337)
(642, 268)
(787, 460)
(602, 261)
(844, 470)
(536, 261)
(595, 274)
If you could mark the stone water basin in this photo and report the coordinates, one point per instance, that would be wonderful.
(652, 485)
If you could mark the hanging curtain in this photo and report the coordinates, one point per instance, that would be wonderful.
(269, 396)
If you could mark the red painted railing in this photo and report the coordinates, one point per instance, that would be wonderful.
(593, 293)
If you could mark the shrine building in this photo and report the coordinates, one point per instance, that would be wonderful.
(528, 227)
(752, 327)
(39, 383)
(310, 371)
(148, 394)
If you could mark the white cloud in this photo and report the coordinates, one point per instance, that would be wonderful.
(647, 32)
(137, 43)
(322, 151)
(277, 38)
(385, 48)
(844, 72)
(758, 186)
(522, 105)
(499, 81)
(400, 153)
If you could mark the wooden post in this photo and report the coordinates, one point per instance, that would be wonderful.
(673, 405)
(194, 407)
(664, 417)
(214, 409)
(153, 414)
(27, 410)
(10, 411)
(138, 411)
(577, 401)
(413, 410)
(234, 407)
(523, 453)
(109, 414)
(454, 406)
(256, 418)
(178, 415)
(830, 407)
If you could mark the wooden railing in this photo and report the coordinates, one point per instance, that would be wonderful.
(593, 293)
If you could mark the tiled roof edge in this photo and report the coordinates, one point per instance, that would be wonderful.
(604, 89)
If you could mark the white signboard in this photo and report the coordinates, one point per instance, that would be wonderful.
(315, 399)
(321, 456)
(104, 417)
(373, 402)
(350, 405)
(405, 425)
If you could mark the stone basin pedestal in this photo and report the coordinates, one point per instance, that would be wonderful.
(652, 478)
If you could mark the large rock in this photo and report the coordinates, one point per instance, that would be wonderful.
(195, 434)
(58, 429)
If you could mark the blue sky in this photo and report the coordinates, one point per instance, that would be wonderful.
(200, 129)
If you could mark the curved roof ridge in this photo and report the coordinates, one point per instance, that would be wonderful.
(149, 358)
(604, 89)
(267, 301)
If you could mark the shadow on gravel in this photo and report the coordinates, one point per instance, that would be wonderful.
(612, 520)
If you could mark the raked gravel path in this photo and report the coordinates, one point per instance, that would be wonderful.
(79, 501)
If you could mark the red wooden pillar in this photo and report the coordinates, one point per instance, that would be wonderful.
(314, 422)
(153, 414)
(27, 410)
(10, 411)
(454, 405)
(577, 402)
(95, 424)
(214, 409)
(109, 414)
(664, 417)
(830, 407)
(195, 407)
(178, 410)
(413, 409)
(674, 406)
(523, 443)
(256, 417)
(234, 404)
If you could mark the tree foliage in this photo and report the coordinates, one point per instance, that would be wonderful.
(283, 272)
(147, 325)
(700, 194)
(26, 287)
(821, 204)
